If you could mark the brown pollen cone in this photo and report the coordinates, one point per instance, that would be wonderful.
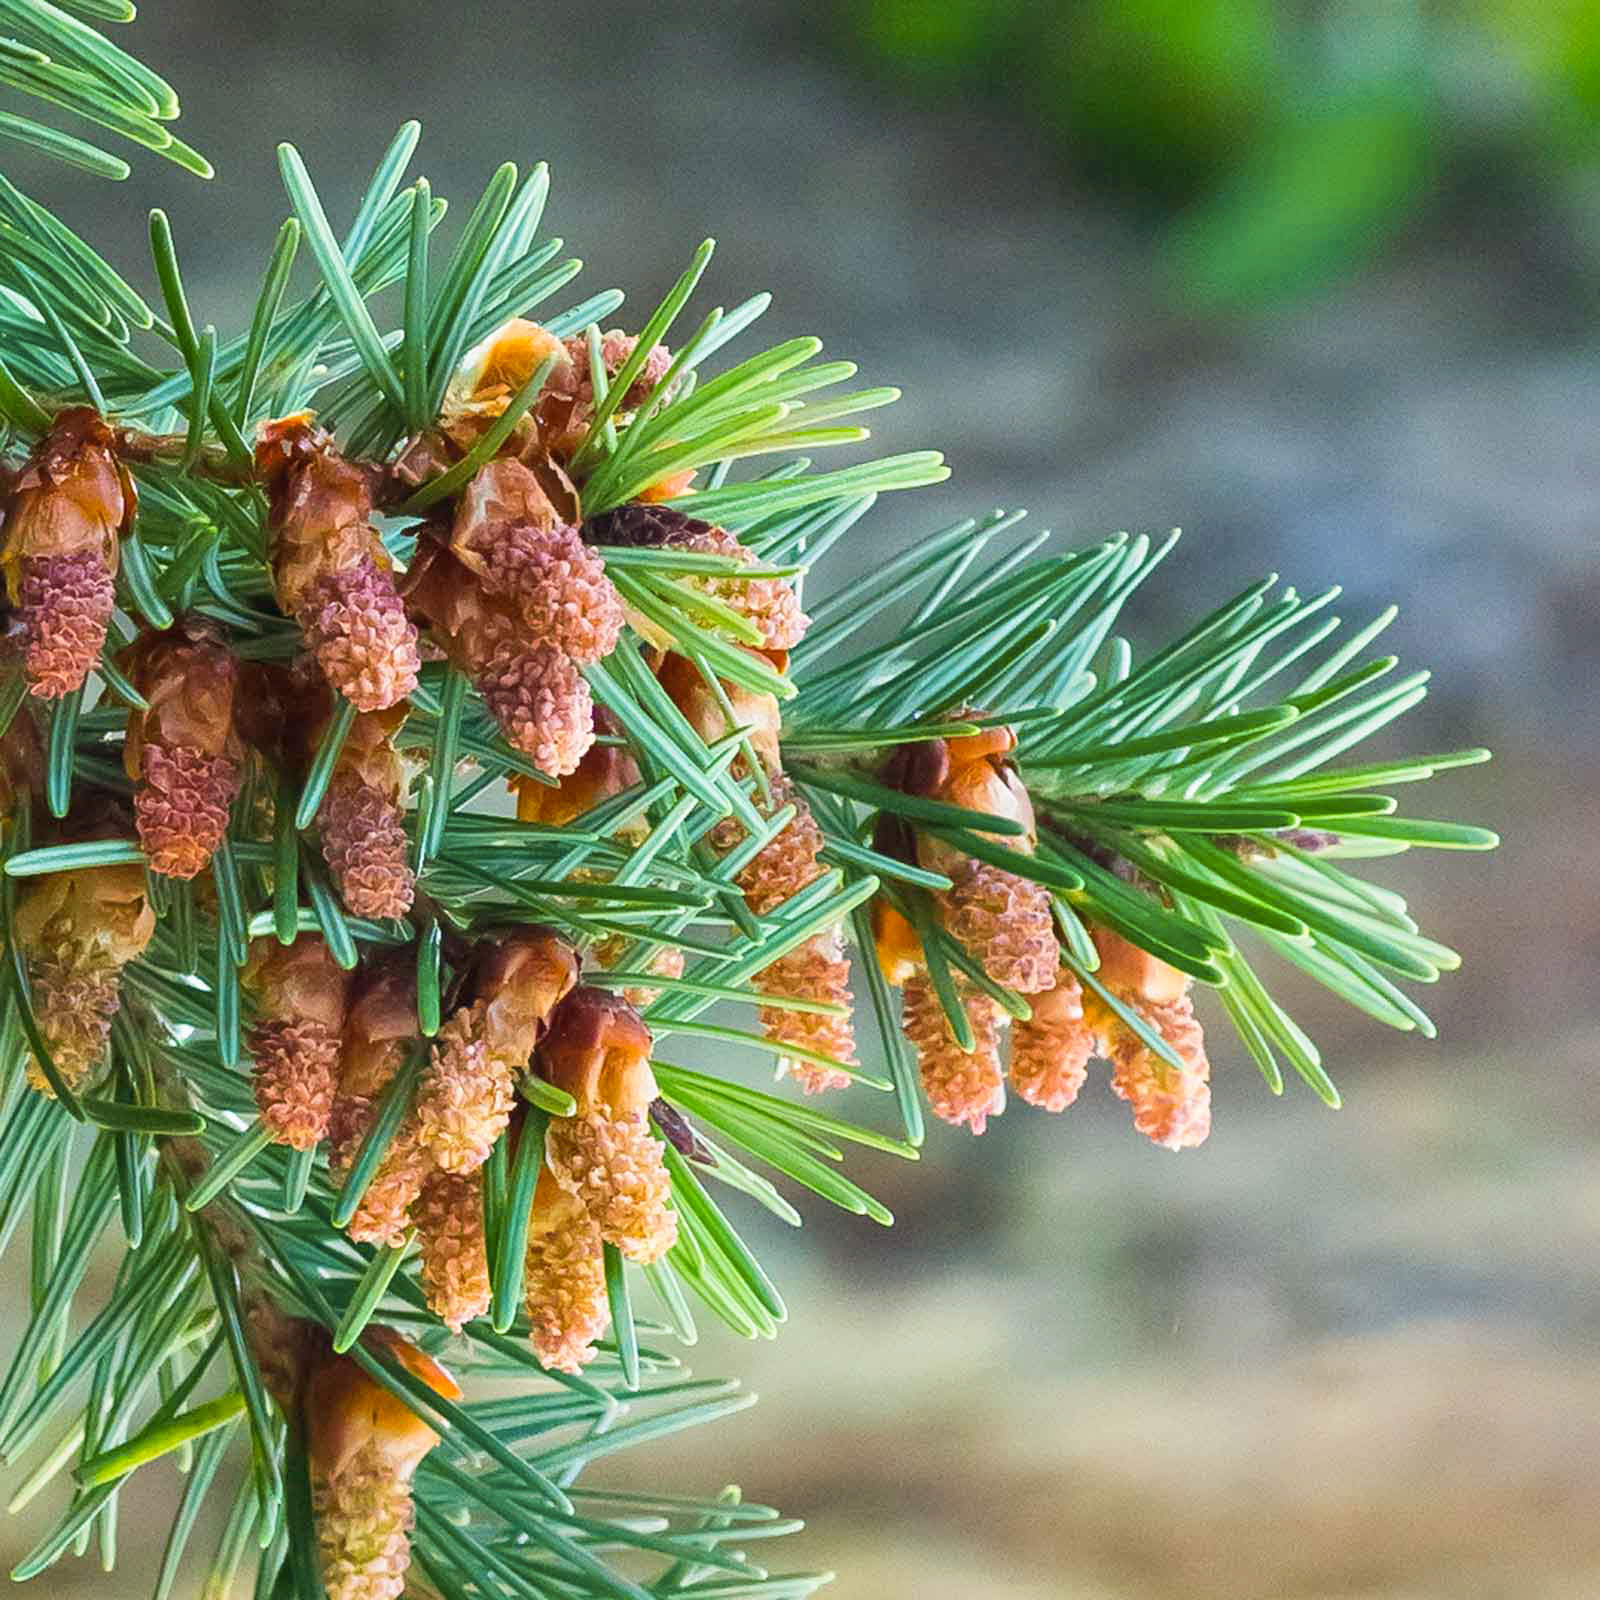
(531, 688)
(563, 1279)
(598, 1050)
(465, 1098)
(1171, 1106)
(300, 994)
(566, 410)
(1050, 1051)
(378, 1035)
(361, 820)
(455, 1262)
(468, 1089)
(67, 507)
(329, 568)
(816, 970)
(509, 534)
(364, 1447)
(78, 931)
(183, 753)
(965, 1088)
(386, 1209)
(768, 604)
(1006, 922)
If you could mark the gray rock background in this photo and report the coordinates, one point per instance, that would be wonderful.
(1327, 1357)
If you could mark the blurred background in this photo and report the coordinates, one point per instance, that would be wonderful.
(1315, 281)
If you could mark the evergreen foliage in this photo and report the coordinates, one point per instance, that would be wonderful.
(231, 847)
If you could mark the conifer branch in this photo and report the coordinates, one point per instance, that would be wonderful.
(409, 734)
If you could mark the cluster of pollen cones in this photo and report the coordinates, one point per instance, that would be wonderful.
(328, 1046)
(303, 736)
(1139, 1015)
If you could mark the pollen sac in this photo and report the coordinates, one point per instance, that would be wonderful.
(1171, 1104)
(531, 688)
(963, 1087)
(78, 930)
(330, 570)
(507, 532)
(363, 1447)
(598, 1050)
(183, 752)
(455, 1262)
(817, 970)
(616, 349)
(468, 1089)
(1050, 1052)
(300, 994)
(67, 507)
(564, 1279)
(361, 820)
(768, 604)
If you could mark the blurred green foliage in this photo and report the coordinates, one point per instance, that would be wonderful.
(1285, 144)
